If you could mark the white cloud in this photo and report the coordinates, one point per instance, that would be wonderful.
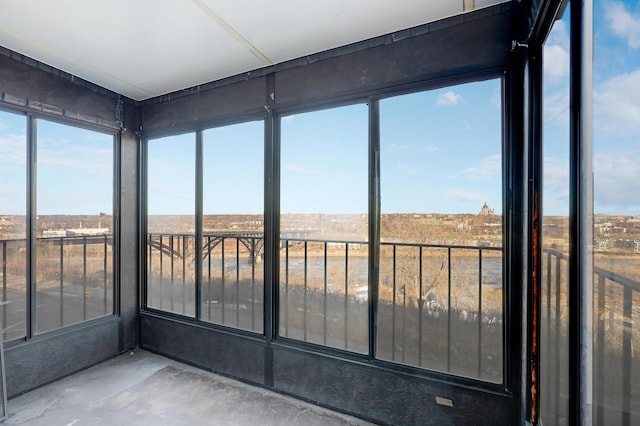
(13, 149)
(559, 35)
(556, 185)
(623, 23)
(556, 174)
(449, 99)
(617, 174)
(85, 160)
(556, 107)
(464, 196)
(556, 53)
(617, 104)
(396, 147)
(410, 170)
(488, 168)
(556, 62)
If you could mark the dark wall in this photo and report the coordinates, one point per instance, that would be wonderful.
(463, 48)
(35, 86)
(128, 228)
(29, 86)
(372, 392)
(383, 395)
(233, 355)
(453, 50)
(463, 45)
(59, 354)
(460, 47)
(196, 110)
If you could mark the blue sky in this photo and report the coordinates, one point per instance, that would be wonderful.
(75, 168)
(439, 153)
(324, 161)
(616, 126)
(13, 158)
(440, 150)
(233, 171)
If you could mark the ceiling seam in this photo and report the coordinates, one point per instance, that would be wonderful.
(232, 32)
(71, 59)
(468, 5)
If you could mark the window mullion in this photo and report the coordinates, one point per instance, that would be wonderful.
(374, 221)
(198, 225)
(30, 228)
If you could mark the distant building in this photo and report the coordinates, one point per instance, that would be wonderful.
(75, 232)
(86, 231)
(55, 233)
(486, 211)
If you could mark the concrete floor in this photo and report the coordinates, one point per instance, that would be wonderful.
(141, 388)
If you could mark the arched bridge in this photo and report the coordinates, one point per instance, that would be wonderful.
(174, 245)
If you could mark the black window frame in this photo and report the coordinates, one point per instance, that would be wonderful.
(31, 116)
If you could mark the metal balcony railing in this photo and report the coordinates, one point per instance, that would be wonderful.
(232, 277)
(431, 311)
(439, 306)
(444, 321)
(616, 382)
(72, 279)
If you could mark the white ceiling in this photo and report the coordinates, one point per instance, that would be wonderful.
(146, 48)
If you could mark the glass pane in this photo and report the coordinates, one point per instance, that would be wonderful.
(233, 222)
(74, 225)
(171, 224)
(323, 228)
(616, 165)
(441, 289)
(554, 344)
(13, 205)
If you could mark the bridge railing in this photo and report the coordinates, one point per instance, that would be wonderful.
(616, 332)
(439, 306)
(170, 272)
(232, 276)
(233, 280)
(73, 282)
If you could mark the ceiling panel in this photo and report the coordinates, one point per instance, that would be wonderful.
(289, 29)
(146, 48)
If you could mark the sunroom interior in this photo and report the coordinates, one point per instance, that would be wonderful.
(279, 193)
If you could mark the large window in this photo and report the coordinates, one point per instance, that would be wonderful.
(233, 225)
(205, 225)
(69, 202)
(323, 228)
(171, 239)
(74, 225)
(554, 312)
(436, 268)
(440, 286)
(440, 298)
(13, 216)
(616, 209)
(614, 344)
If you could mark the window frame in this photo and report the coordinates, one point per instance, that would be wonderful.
(510, 302)
(272, 120)
(31, 117)
(198, 132)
